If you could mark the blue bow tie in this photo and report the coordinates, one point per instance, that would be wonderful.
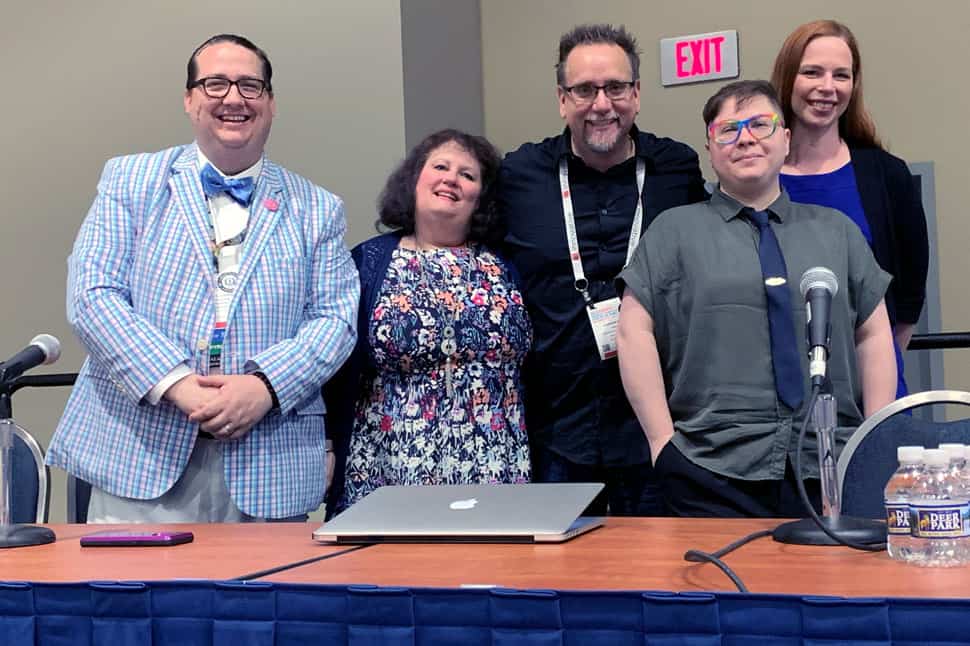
(213, 183)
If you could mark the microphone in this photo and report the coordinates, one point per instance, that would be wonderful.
(818, 286)
(43, 349)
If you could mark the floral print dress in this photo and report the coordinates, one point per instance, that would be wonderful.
(409, 428)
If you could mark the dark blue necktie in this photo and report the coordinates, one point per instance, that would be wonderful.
(781, 327)
(213, 183)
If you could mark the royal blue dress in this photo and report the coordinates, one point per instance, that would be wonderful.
(838, 190)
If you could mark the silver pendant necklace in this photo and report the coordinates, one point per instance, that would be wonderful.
(449, 339)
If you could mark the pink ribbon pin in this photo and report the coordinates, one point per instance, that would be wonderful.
(271, 204)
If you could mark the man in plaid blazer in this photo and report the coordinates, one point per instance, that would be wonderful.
(215, 295)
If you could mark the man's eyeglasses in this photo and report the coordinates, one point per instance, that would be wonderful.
(761, 126)
(216, 87)
(583, 93)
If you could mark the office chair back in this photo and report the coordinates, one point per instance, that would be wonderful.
(78, 496)
(30, 477)
(869, 457)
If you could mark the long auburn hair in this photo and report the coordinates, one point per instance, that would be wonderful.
(855, 124)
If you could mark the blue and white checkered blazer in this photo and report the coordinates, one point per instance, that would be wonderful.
(140, 299)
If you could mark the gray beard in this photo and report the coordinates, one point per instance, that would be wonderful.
(602, 146)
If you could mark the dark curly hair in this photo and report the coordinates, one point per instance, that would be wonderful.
(396, 203)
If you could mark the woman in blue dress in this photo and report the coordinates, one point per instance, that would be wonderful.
(432, 393)
(837, 160)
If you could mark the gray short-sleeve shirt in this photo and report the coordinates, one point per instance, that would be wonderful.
(697, 273)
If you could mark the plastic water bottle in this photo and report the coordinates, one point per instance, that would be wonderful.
(965, 473)
(957, 462)
(939, 514)
(955, 457)
(959, 469)
(899, 491)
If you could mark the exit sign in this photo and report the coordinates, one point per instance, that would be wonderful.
(701, 57)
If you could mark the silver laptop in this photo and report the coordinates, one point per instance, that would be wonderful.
(511, 513)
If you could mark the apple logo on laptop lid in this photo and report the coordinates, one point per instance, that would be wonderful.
(463, 504)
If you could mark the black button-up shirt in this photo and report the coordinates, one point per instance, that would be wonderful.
(575, 404)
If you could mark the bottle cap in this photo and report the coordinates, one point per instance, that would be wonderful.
(953, 450)
(935, 457)
(909, 453)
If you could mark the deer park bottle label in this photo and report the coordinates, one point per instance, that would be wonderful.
(949, 520)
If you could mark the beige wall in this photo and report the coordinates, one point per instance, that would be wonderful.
(90, 80)
(914, 57)
(87, 81)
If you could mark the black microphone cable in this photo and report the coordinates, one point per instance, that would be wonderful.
(290, 566)
(699, 556)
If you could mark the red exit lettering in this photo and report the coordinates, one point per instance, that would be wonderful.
(704, 57)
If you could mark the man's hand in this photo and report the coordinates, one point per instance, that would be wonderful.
(656, 446)
(641, 374)
(188, 394)
(242, 401)
(330, 466)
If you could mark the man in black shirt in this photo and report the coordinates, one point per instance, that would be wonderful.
(576, 206)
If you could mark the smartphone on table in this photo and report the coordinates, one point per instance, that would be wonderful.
(116, 538)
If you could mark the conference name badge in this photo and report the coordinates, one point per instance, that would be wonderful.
(228, 262)
(603, 317)
(227, 281)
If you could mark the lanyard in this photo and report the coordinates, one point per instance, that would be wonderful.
(579, 276)
(227, 255)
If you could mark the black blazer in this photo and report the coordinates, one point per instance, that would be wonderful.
(896, 219)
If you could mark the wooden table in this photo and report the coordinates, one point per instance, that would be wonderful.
(626, 554)
(219, 551)
(641, 554)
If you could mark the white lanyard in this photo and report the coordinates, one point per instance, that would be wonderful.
(581, 284)
(229, 224)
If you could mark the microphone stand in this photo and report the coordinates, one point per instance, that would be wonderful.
(17, 535)
(807, 531)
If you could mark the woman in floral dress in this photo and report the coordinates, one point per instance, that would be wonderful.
(432, 393)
